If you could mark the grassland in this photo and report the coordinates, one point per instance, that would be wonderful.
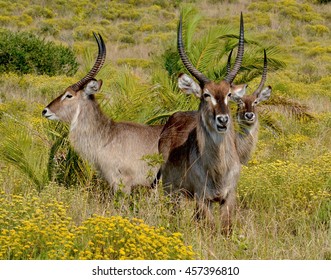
(284, 194)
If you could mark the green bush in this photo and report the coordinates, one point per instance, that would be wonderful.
(25, 53)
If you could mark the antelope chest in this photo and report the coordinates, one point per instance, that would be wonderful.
(212, 183)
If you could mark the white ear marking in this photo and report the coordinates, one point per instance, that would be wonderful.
(263, 95)
(188, 85)
(91, 88)
(239, 91)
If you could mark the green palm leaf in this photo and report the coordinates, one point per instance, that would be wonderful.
(20, 148)
(64, 165)
(209, 51)
(13, 154)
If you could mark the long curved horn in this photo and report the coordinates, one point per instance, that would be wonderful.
(228, 65)
(180, 46)
(97, 64)
(240, 54)
(264, 74)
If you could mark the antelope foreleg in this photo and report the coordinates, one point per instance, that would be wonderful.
(203, 211)
(227, 209)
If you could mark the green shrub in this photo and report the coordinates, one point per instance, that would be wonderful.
(317, 30)
(134, 62)
(25, 53)
(36, 11)
(127, 39)
(5, 20)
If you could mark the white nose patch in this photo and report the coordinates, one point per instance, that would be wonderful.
(49, 114)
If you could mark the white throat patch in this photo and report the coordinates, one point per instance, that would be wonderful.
(75, 118)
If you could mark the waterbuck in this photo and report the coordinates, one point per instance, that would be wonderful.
(116, 149)
(180, 124)
(205, 164)
(247, 117)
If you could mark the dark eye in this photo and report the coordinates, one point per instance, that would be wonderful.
(206, 95)
(229, 94)
(68, 96)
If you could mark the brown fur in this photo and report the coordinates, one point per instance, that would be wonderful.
(200, 160)
(176, 131)
(247, 135)
(116, 149)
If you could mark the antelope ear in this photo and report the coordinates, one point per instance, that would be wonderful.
(92, 87)
(188, 85)
(263, 95)
(237, 92)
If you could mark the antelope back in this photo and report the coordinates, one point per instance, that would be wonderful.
(176, 131)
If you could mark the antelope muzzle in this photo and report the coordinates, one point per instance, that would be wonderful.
(249, 117)
(222, 122)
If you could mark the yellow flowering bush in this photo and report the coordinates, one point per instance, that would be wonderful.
(317, 29)
(32, 228)
(287, 8)
(288, 186)
(119, 238)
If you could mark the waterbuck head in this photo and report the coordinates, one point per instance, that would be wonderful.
(247, 113)
(67, 106)
(214, 96)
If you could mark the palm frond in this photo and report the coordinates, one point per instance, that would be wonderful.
(289, 106)
(208, 52)
(160, 117)
(268, 121)
(191, 19)
(64, 165)
(130, 98)
(16, 153)
(59, 136)
(252, 65)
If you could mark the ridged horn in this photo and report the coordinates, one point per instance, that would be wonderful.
(97, 64)
(240, 54)
(264, 74)
(228, 64)
(180, 46)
